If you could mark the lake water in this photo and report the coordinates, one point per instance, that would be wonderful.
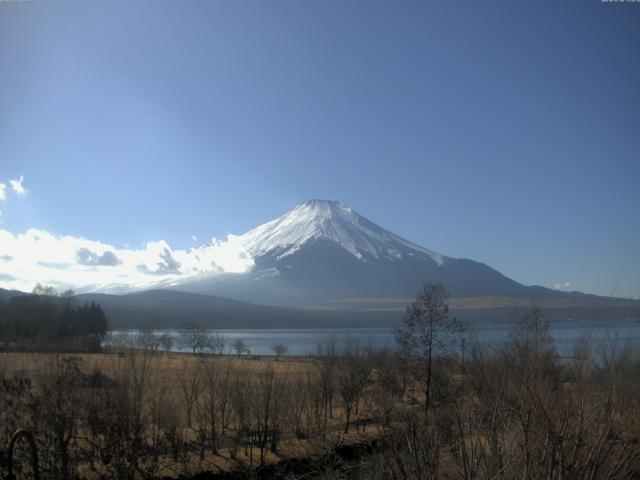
(305, 341)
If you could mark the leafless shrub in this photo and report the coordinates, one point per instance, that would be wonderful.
(352, 376)
(326, 364)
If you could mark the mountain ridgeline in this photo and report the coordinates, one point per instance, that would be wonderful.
(324, 254)
(324, 265)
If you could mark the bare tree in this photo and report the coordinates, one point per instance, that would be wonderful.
(216, 343)
(279, 349)
(223, 391)
(239, 346)
(242, 401)
(352, 374)
(300, 402)
(195, 338)
(270, 411)
(191, 383)
(326, 363)
(146, 338)
(166, 341)
(60, 381)
(212, 402)
(426, 335)
(45, 290)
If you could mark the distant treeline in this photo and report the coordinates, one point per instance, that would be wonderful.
(46, 320)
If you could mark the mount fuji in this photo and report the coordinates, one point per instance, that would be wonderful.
(323, 254)
(322, 265)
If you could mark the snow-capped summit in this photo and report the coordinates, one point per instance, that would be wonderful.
(323, 253)
(334, 222)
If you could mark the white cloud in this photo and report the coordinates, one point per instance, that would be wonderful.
(17, 185)
(567, 284)
(37, 256)
(195, 239)
(87, 257)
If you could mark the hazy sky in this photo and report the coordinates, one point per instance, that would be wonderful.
(506, 132)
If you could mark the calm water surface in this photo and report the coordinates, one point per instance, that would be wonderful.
(304, 341)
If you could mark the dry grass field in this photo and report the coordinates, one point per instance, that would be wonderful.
(518, 411)
(194, 391)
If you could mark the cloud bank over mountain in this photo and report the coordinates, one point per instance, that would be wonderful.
(37, 256)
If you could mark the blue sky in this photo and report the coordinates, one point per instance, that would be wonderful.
(506, 132)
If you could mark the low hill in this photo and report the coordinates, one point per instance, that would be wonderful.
(172, 309)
